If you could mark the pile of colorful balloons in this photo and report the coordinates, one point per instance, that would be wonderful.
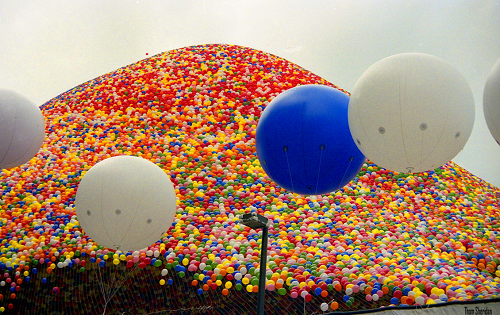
(386, 238)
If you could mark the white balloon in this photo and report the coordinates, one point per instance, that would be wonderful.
(164, 272)
(411, 112)
(324, 307)
(491, 101)
(22, 129)
(125, 203)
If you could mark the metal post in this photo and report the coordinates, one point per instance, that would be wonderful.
(262, 275)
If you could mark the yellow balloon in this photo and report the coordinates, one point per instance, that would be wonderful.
(162, 282)
(249, 287)
(228, 285)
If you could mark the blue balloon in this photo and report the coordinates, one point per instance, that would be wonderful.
(304, 143)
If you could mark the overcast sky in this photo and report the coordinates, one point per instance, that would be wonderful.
(49, 47)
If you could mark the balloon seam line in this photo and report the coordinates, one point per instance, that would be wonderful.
(319, 169)
(401, 111)
(10, 143)
(289, 171)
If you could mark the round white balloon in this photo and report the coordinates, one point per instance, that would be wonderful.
(22, 129)
(411, 112)
(491, 101)
(126, 203)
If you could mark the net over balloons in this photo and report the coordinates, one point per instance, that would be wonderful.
(125, 203)
(303, 140)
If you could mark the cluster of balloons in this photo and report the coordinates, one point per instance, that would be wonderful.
(193, 112)
(124, 203)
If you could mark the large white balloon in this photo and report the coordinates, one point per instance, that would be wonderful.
(22, 129)
(491, 101)
(125, 203)
(411, 112)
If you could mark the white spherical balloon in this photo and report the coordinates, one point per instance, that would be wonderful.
(125, 203)
(324, 307)
(22, 129)
(491, 101)
(411, 112)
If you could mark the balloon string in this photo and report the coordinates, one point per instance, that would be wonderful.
(319, 168)
(101, 286)
(289, 171)
(109, 288)
(350, 161)
(122, 282)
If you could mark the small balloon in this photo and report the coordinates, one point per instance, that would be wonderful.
(324, 307)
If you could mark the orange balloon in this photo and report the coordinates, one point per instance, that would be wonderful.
(255, 288)
(368, 289)
(324, 293)
(334, 305)
(225, 291)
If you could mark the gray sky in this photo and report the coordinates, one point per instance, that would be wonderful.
(49, 47)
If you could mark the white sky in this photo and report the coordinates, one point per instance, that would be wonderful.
(49, 47)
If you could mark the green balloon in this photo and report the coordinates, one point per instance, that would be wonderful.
(254, 281)
(182, 274)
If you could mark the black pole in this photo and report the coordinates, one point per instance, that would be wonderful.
(262, 275)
